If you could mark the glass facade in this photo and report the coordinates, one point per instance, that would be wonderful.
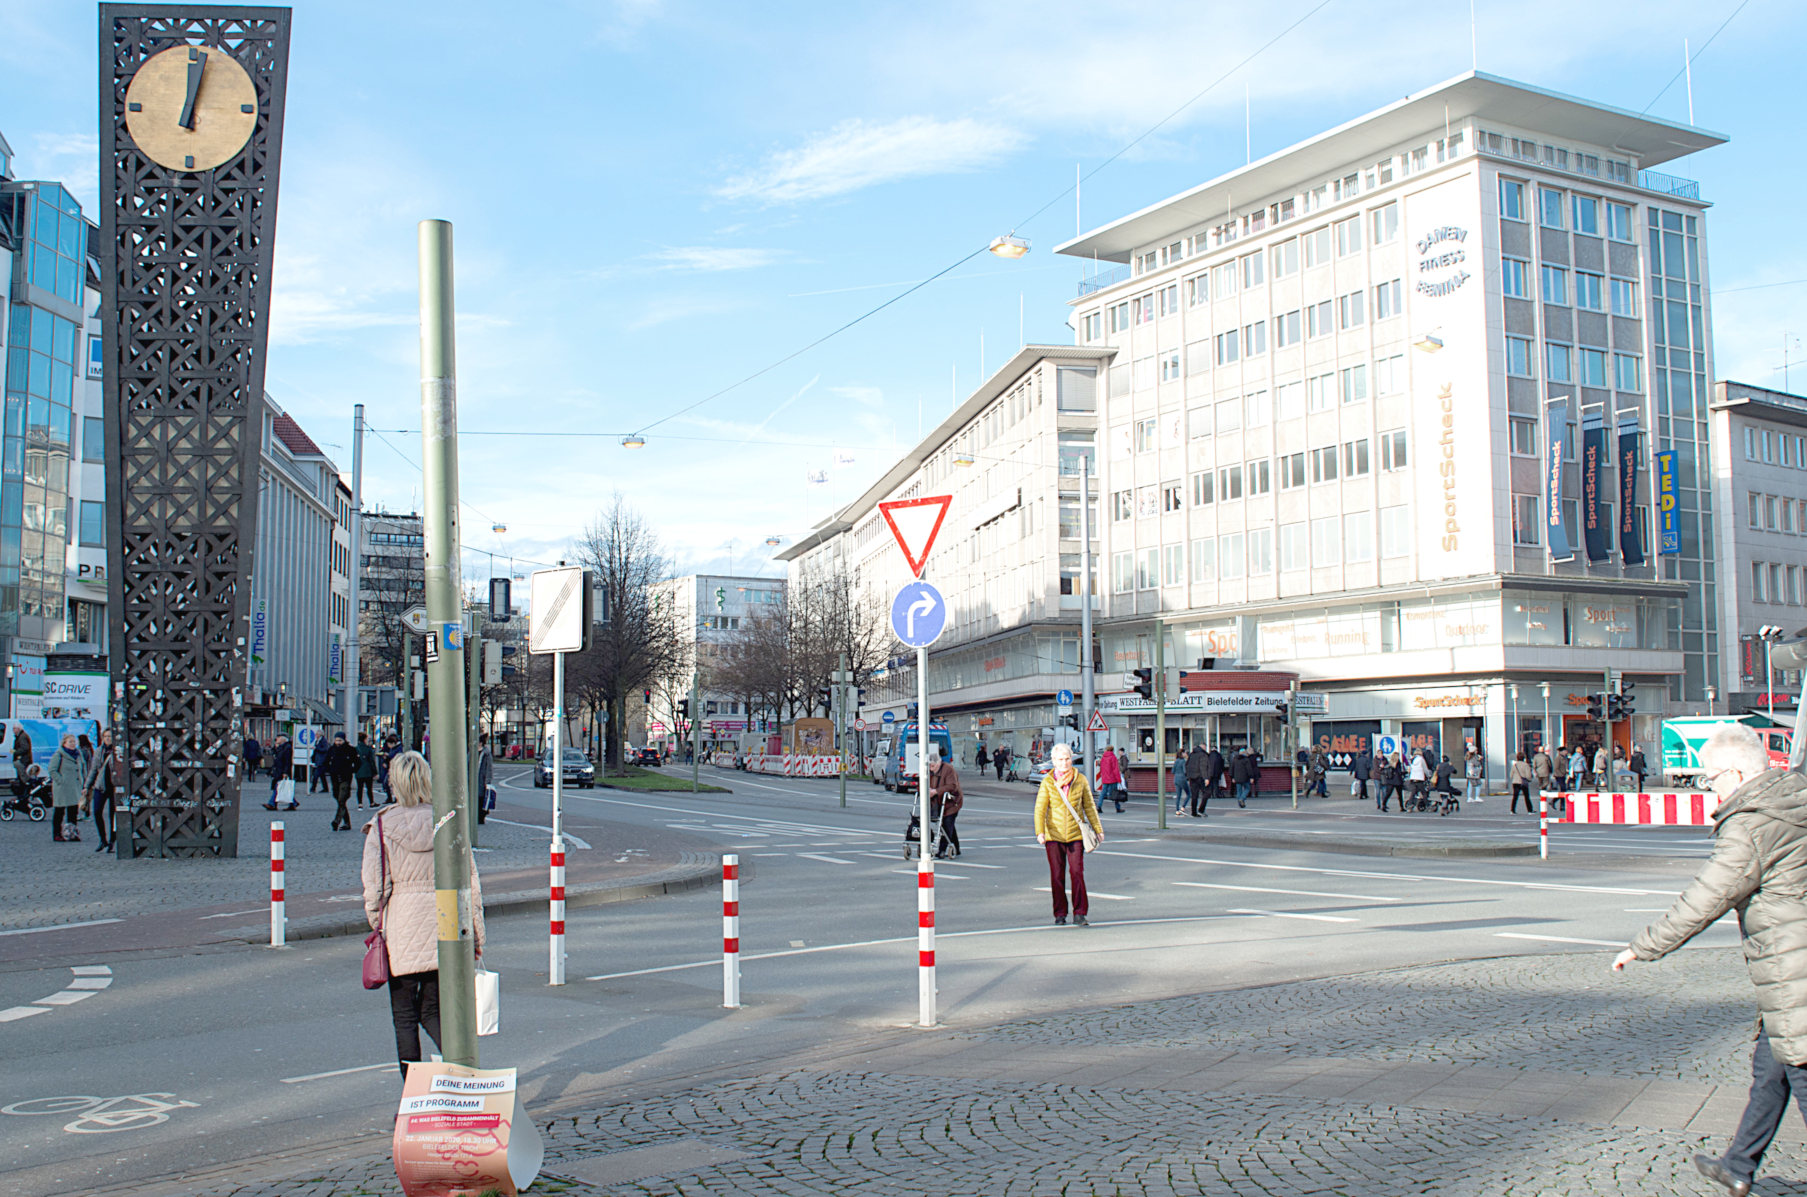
(40, 380)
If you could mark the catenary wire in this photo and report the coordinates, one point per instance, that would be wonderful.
(1703, 49)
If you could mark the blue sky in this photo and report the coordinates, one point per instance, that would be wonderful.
(656, 198)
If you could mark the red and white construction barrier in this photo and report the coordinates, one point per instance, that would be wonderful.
(788, 764)
(925, 941)
(1686, 809)
(279, 918)
(555, 965)
(731, 932)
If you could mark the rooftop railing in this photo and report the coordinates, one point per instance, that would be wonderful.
(1099, 282)
(1655, 180)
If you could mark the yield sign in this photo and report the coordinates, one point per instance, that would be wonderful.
(1097, 723)
(914, 522)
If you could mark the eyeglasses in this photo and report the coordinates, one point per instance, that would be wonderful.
(1713, 778)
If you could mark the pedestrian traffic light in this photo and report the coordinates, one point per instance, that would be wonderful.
(646, 695)
(1145, 683)
(683, 708)
(1614, 709)
(1596, 707)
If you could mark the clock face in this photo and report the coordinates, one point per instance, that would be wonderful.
(191, 108)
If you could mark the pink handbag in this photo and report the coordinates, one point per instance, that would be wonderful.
(376, 947)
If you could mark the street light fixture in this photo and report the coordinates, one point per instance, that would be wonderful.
(1430, 342)
(1009, 246)
(635, 441)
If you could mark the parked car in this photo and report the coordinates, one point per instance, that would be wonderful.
(1044, 765)
(578, 771)
(647, 756)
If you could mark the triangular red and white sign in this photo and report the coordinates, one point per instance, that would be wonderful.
(1097, 723)
(915, 523)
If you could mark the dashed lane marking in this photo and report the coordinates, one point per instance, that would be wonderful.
(236, 914)
(573, 840)
(825, 859)
(1301, 893)
(61, 927)
(88, 980)
(1328, 872)
(1294, 914)
(1596, 943)
(1092, 893)
(320, 1076)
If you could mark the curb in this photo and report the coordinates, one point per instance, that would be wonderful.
(1458, 849)
(701, 875)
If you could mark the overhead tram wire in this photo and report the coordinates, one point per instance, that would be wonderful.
(393, 448)
(1691, 59)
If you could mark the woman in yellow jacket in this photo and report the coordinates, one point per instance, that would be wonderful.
(1062, 801)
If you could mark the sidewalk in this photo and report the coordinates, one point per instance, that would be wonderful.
(1520, 1076)
(159, 903)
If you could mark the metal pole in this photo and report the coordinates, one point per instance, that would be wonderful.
(1088, 692)
(840, 723)
(1290, 737)
(925, 865)
(1769, 679)
(1160, 725)
(407, 690)
(279, 919)
(473, 651)
(1550, 741)
(731, 932)
(1543, 824)
(353, 703)
(696, 729)
(555, 965)
(439, 469)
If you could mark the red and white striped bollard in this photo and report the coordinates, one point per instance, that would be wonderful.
(731, 932)
(1543, 826)
(279, 919)
(555, 965)
(925, 942)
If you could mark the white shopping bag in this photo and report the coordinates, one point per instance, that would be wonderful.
(285, 792)
(489, 1002)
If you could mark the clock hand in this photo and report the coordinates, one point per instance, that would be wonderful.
(197, 63)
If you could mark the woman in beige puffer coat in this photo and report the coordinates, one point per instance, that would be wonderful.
(400, 900)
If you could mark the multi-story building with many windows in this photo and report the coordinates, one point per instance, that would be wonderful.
(1760, 464)
(1383, 410)
(709, 611)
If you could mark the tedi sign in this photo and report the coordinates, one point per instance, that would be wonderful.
(1442, 250)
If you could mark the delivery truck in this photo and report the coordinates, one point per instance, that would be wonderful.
(1684, 735)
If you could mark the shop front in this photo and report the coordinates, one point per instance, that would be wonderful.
(1229, 710)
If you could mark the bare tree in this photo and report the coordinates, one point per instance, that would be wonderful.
(638, 643)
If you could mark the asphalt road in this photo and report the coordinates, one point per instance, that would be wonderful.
(185, 1060)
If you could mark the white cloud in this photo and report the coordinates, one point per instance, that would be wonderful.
(708, 258)
(856, 154)
(69, 159)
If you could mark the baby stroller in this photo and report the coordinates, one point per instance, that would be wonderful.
(29, 797)
(913, 833)
(1444, 802)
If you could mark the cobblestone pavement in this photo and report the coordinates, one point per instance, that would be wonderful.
(892, 1120)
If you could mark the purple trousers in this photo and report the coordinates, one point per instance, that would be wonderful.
(1064, 857)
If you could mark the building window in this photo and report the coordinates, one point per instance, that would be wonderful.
(1351, 310)
(1295, 552)
(1261, 552)
(1198, 289)
(1173, 565)
(1284, 258)
(1355, 384)
(1589, 292)
(1253, 270)
(1555, 285)
(1348, 236)
(1317, 247)
(1759, 582)
(1618, 221)
(1518, 357)
(1148, 502)
(1389, 299)
(1320, 392)
(1172, 497)
(1091, 327)
(1386, 223)
(1750, 443)
(1624, 297)
(1258, 474)
(1358, 538)
(1144, 367)
(1145, 262)
(1524, 437)
(1289, 399)
(1288, 329)
(1146, 433)
(1230, 557)
(1170, 366)
(1198, 422)
(1202, 492)
(1549, 207)
(93, 520)
(1254, 338)
(1123, 505)
(1228, 347)
(1559, 362)
(1317, 319)
(1515, 278)
(1526, 526)
(1628, 372)
(1754, 503)
(1395, 532)
(1229, 482)
(1148, 569)
(1260, 409)
(1392, 450)
(1119, 317)
(1587, 215)
(1204, 559)
(1355, 458)
(1326, 543)
(1389, 375)
(1229, 415)
(1593, 367)
(1223, 280)
(94, 439)
(1323, 464)
(1198, 357)
(1144, 309)
(1292, 471)
(1512, 199)
(1167, 300)
(1123, 573)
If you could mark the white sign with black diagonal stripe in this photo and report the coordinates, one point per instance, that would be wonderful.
(555, 619)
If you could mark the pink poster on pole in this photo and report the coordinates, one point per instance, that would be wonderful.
(461, 1132)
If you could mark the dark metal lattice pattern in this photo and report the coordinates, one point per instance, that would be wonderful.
(185, 324)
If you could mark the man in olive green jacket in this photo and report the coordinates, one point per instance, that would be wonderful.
(1759, 869)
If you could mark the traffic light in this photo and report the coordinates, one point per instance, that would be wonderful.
(646, 696)
(1281, 710)
(1145, 683)
(1626, 710)
(1613, 711)
(683, 708)
(1596, 707)
(492, 662)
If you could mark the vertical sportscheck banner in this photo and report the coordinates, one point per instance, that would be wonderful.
(1594, 532)
(1669, 538)
(1556, 425)
(1631, 536)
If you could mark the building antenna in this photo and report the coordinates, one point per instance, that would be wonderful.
(1248, 134)
(1474, 42)
(1688, 70)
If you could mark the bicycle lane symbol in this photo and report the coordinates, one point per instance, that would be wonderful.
(104, 1115)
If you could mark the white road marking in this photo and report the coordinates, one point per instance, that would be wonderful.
(65, 997)
(17, 1012)
(569, 838)
(236, 914)
(92, 970)
(716, 962)
(89, 979)
(826, 859)
(1302, 893)
(1293, 914)
(1597, 943)
(320, 1076)
(1092, 893)
(1543, 885)
(61, 927)
(939, 875)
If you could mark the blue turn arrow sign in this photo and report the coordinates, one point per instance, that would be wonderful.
(918, 614)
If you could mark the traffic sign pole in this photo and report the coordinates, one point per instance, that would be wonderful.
(925, 874)
(840, 726)
(555, 963)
